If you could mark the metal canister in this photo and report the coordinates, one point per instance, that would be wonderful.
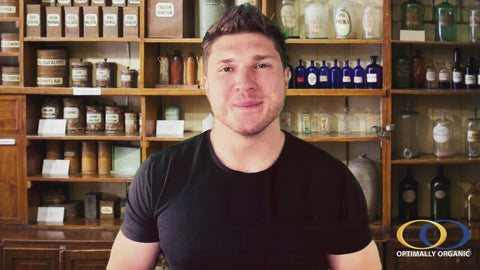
(71, 151)
(89, 156)
(189, 70)
(52, 108)
(74, 112)
(95, 120)
(131, 122)
(10, 42)
(176, 68)
(104, 157)
(114, 119)
(81, 73)
(106, 74)
(10, 76)
(52, 68)
(163, 70)
(53, 150)
(128, 78)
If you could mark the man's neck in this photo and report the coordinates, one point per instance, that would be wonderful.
(247, 153)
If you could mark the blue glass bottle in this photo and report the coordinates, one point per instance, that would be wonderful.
(336, 75)
(324, 76)
(358, 76)
(374, 74)
(312, 70)
(300, 74)
(347, 76)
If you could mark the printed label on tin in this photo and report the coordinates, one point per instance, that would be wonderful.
(112, 118)
(98, 2)
(80, 1)
(79, 74)
(118, 2)
(126, 77)
(129, 122)
(130, 20)
(10, 77)
(91, 20)
(71, 20)
(8, 9)
(110, 19)
(51, 62)
(71, 112)
(103, 74)
(10, 44)
(49, 81)
(48, 112)
(33, 19)
(53, 20)
(64, 2)
(94, 118)
(107, 210)
(134, 2)
(164, 10)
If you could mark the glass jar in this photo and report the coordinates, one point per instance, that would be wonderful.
(289, 16)
(442, 134)
(406, 143)
(316, 19)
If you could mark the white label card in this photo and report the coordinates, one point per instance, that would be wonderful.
(55, 166)
(87, 91)
(170, 128)
(52, 126)
(50, 214)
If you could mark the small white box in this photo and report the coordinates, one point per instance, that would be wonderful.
(412, 35)
(170, 128)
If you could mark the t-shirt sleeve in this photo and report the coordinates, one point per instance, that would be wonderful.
(350, 229)
(139, 223)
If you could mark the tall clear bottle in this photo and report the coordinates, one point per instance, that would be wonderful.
(345, 18)
(474, 23)
(445, 17)
(306, 122)
(289, 16)
(407, 198)
(316, 19)
(406, 136)
(369, 120)
(472, 203)
(401, 70)
(442, 135)
(440, 196)
(324, 121)
(413, 15)
(473, 134)
(372, 20)
(344, 120)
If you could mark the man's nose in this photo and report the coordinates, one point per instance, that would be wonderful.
(246, 79)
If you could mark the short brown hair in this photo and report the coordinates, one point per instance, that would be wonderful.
(245, 18)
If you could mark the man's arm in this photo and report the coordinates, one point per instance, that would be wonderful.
(366, 258)
(128, 254)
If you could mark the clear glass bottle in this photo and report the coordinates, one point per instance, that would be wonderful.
(300, 75)
(445, 17)
(407, 198)
(401, 70)
(431, 76)
(470, 74)
(473, 134)
(306, 122)
(472, 203)
(474, 22)
(407, 131)
(444, 77)
(312, 71)
(316, 19)
(336, 76)
(418, 70)
(413, 15)
(369, 120)
(440, 196)
(324, 121)
(324, 76)
(442, 135)
(358, 76)
(374, 74)
(289, 16)
(457, 71)
(345, 18)
(347, 76)
(286, 120)
(344, 120)
(372, 20)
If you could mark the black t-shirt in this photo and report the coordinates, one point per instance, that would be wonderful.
(207, 216)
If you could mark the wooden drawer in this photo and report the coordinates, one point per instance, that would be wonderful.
(10, 114)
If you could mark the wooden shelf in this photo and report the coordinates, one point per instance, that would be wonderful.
(308, 41)
(436, 92)
(81, 223)
(82, 39)
(432, 159)
(9, 54)
(94, 136)
(435, 43)
(82, 177)
(337, 92)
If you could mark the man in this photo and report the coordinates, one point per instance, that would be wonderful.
(245, 195)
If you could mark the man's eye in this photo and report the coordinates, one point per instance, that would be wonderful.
(225, 69)
(261, 66)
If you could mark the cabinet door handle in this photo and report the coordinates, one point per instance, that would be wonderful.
(7, 142)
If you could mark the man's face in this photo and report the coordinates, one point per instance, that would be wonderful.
(245, 82)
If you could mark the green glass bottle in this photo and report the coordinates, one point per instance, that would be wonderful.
(440, 196)
(413, 14)
(401, 70)
(445, 17)
(407, 198)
